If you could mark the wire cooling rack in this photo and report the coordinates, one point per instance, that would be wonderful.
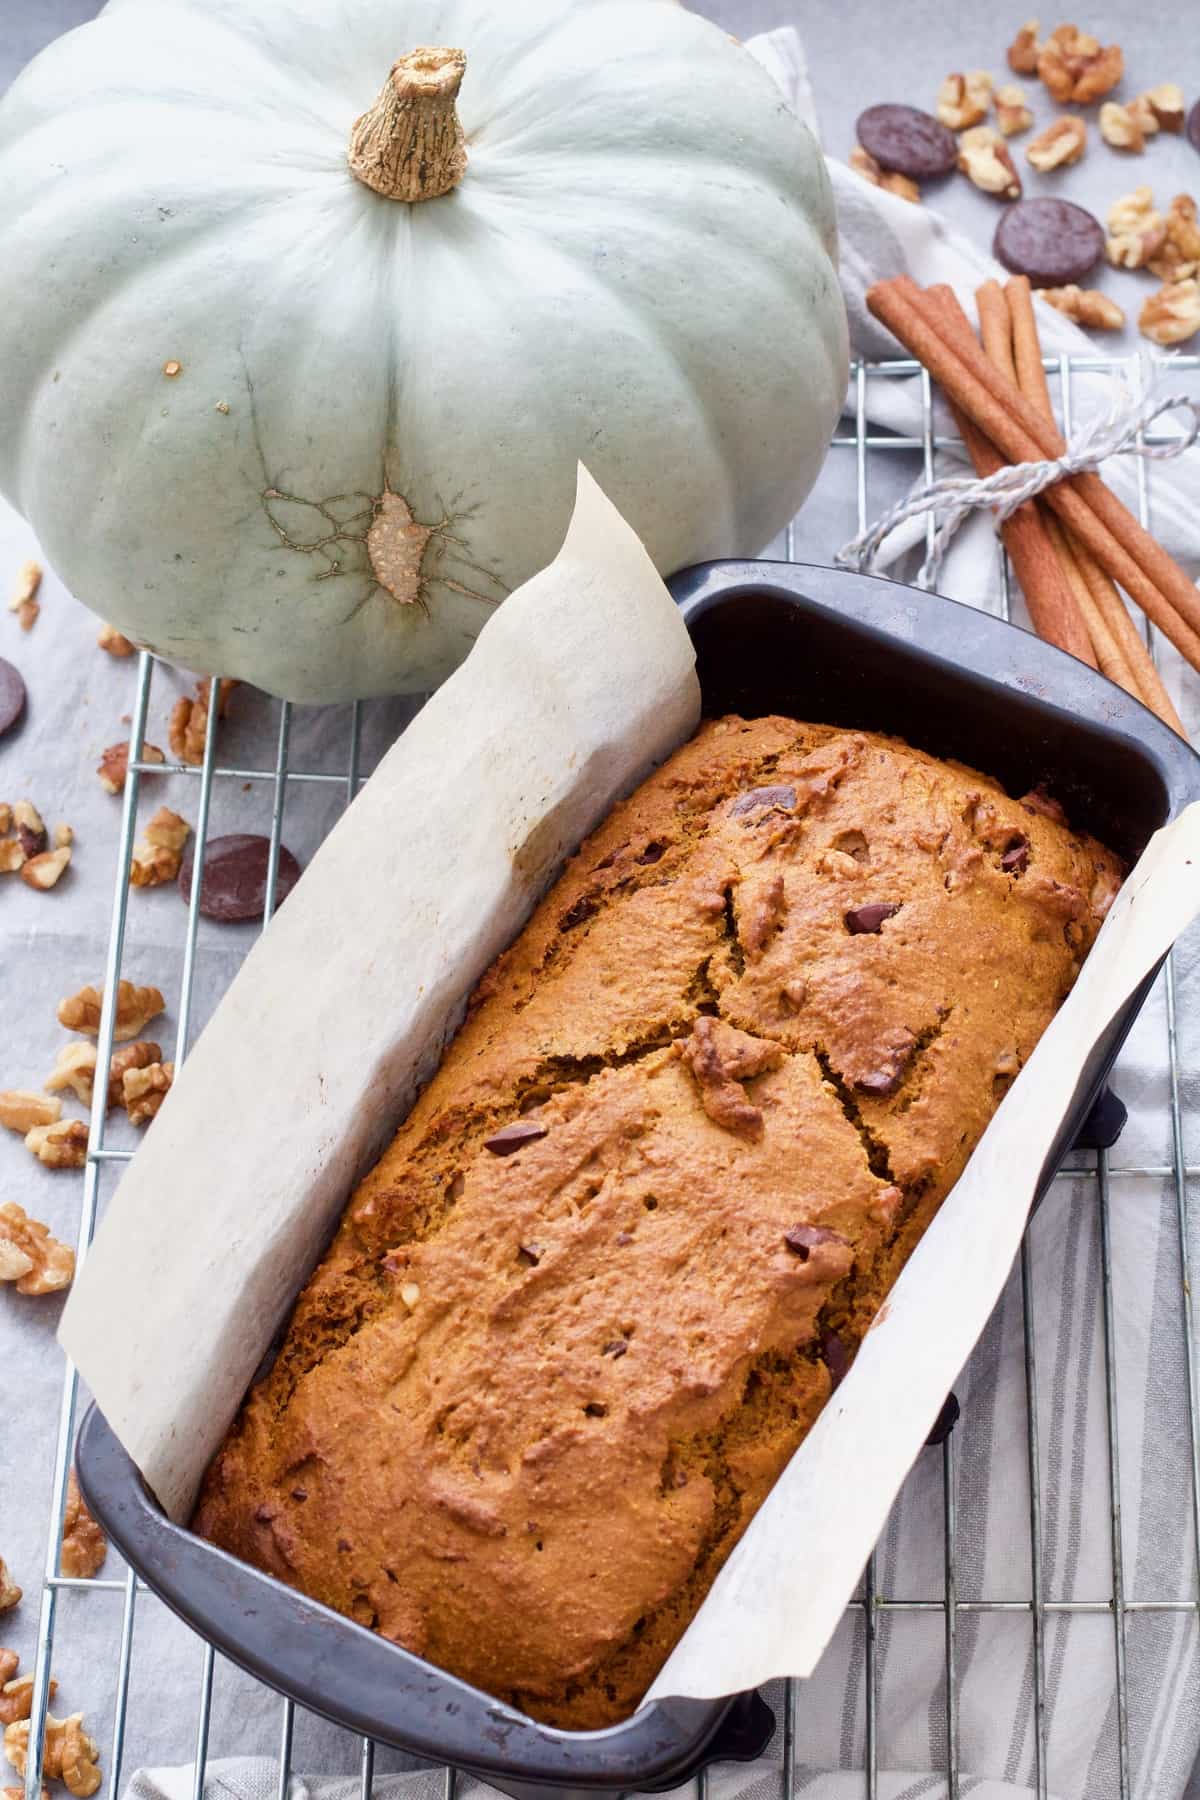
(123, 1597)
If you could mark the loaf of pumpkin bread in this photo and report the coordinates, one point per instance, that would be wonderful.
(578, 1318)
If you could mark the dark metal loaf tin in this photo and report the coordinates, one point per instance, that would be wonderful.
(770, 637)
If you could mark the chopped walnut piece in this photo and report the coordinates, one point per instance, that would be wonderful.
(188, 723)
(30, 827)
(1136, 231)
(44, 871)
(6, 818)
(1060, 144)
(10, 1593)
(115, 642)
(983, 157)
(1025, 49)
(16, 1695)
(61, 1146)
(157, 857)
(1087, 306)
(70, 1755)
(1076, 68)
(21, 1110)
(1179, 253)
(1123, 127)
(10, 1662)
(144, 1090)
(1166, 103)
(964, 99)
(113, 766)
(24, 594)
(889, 180)
(74, 1069)
(38, 1264)
(136, 1006)
(84, 1545)
(12, 857)
(1012, 113)
(1173, 314)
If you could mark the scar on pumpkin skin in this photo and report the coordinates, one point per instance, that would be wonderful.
(396, 543)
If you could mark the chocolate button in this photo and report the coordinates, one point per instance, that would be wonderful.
(12, 696)
(1054, 242)
(909, 141)
(1193, 126)
(234, 887)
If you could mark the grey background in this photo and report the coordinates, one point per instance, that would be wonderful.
(860, 52)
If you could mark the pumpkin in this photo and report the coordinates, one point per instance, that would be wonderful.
(305, 321)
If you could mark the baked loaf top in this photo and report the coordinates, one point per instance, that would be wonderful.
(583, 1310)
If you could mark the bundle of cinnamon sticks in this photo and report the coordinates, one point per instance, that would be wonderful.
(1073, 545)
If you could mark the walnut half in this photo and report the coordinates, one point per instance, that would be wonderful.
(1136, 231)
(70, 1756)
(61, 1146)
(1025, 49)
(157, 857)
(38, 1264)
(864, 164)
(1061, 144)
(1172, 315)
(10, 1593)
(136, 1006)
(983, 157)
(1179, 253)
(1087, 306)
(145, 1089)
(21, 1110)
(964, 99)
(1076, 68)
(1012, 111)
(16, 1694)
(84, 1545)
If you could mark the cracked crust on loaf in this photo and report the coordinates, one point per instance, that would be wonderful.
(543, 1378)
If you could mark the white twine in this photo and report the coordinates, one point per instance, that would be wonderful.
(958, 496)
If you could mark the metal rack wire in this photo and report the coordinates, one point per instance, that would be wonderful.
(126, 1595)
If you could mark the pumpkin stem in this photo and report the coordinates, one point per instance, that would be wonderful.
(409, 145)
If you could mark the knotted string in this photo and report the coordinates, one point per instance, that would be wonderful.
(1111, 434)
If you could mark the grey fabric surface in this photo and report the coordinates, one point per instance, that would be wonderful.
(860, 52)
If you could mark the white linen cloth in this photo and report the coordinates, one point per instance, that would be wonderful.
(50, 945)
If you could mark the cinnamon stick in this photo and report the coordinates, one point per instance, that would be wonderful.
(957, 362)
(1053, 610)
(1172, 583)
(1107, 613)
(1109, 654)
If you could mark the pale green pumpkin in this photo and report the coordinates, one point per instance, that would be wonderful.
(624, 255)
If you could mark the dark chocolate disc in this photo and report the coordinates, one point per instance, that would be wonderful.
(910, 142)
(235, 876)
(1054, 242)
(1193, 126)
(12, 696)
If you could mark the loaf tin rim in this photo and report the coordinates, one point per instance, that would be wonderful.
(664, 1738)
